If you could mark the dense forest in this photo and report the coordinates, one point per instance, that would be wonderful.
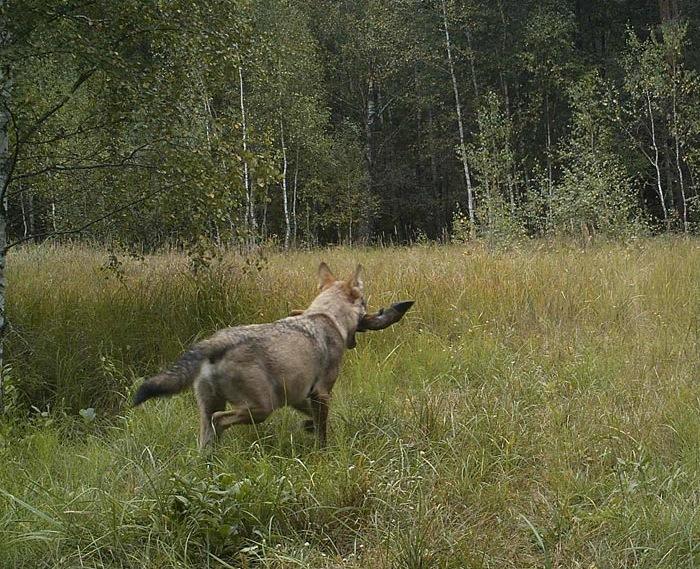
(231, 121)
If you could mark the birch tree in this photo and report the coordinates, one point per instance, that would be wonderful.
(112, 115)
(460, 122)
(250, 217)
(547, 55)
(287, 104)
(287, 224)
(595, 194)
(652, 81)
(494, 163)
(5, 167)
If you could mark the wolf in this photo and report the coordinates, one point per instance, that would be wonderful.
(262, 367)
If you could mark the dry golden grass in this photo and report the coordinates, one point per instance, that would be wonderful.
(539, 406)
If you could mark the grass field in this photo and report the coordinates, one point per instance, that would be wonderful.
(538, 407)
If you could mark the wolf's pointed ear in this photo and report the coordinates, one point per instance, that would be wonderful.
(325, 277)
(355, 279)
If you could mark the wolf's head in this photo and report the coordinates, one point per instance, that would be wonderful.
(342, 299)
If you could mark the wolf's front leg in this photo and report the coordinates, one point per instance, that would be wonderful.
(305, 408)
(320, 402)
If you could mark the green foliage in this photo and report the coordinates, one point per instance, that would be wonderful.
(461, 230)
(660, 119)
(136, 136)
(128, 119)
(595, 190)
(349, 204)
(548, 49)
(227, 514)
(493, 159)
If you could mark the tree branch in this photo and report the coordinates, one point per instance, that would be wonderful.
(123, 163)
(82, 129)
(101, 166)
(84, 76)
(87, 225)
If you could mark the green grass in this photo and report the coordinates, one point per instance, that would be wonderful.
(538, 407)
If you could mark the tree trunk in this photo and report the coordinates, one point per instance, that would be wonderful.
(659, 187)
(263, 225)
(693, 185)
(371, 111)
(679, 160)
(511, 192)
(504, 51)
(550, 178)
(294, 200)
(309, 240)
(471, 61)
(285, 201)
(668, 10)
(458, 107)
(670, 186)
(250, 220)
(369, 122)
(437, 189)
(54, 223)
(25, 214)
(5, 166)
(31, 214)
(3, 244)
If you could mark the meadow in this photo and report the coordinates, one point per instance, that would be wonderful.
(538, 407)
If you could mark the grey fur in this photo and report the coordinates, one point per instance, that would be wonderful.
(262, 367)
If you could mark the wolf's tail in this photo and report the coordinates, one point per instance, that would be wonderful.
(176, 378)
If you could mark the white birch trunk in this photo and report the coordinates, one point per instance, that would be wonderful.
(285, 201)
(263, 225)
(550, 178)
(32, 224)
(511, 193)
(371, 111)
(369, 121)
(681, 181)
(504, 44)
(309, 239)
(458, 107)
(25, 213)
(659, 188)
(294, 200)
(53, 214)
(471, 61)
(250, 220)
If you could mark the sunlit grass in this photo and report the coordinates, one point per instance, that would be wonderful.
(539, 406)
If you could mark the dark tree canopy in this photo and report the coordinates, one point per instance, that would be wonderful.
(335, 121)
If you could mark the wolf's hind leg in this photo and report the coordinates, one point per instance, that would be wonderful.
(209, 404)
(222, 420)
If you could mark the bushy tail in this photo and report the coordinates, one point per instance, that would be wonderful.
(177, 378)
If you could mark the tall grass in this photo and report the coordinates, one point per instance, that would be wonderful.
(539, 407)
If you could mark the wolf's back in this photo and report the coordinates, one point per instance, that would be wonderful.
(176, 378)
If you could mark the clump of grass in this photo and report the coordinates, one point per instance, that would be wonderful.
(537, 407)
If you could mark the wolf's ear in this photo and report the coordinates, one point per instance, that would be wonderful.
(355, 279)
(325, 277)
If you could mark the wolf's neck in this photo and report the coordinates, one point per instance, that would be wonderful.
(343, 319)
(342, 331)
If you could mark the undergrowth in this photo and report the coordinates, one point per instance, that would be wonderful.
(538, 407)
